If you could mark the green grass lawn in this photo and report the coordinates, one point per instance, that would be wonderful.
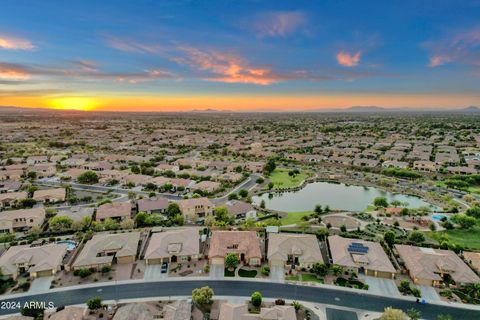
(305, 277)
(282, 180)
(466, 238)
(247, 273)
(229, 273)
(294, 217)
(370, 208)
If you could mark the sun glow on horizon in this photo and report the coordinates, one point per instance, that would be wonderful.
(73, 103)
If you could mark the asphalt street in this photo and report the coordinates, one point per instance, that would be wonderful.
(322, 295)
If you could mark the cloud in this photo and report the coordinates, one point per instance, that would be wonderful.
(278, 24)
(9, 43)
(13, 72)
(133, 46)
(230, 68)
(82, 70)
(348, 60)
(456, 47)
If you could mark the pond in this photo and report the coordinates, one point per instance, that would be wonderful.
(336, 195)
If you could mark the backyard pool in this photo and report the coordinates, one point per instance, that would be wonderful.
(70, 244)
(438, 217)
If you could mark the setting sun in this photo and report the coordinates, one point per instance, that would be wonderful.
(73, 103)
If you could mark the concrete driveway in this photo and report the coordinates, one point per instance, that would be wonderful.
(40, 284)
(153, 272)
(217, 271)
(429, 293)
(382, 286)
(338, 314)
(277, 274)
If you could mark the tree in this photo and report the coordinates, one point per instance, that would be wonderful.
(262, 204)
(34, 312)
(269, 166)
(318, 209)
(327, 209)
(320, 269)
(94, 303)
(231, 261)
(141, 219)
(416, 236)
(203, 297)
(256, 299)
(173, 209)
(127, 224)
(393, 314)
(60, 223)
(243, 193)
(464, 221)
(296, 305)
(270, 185)
(473, 212)
(322, 233)
(389, 237)
(414, 314)
(396, 203)
(88, 177)
(336, 270)
(222, 216)
(380, 202)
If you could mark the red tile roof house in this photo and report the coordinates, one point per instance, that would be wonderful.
(115, 210)
(50, 195)
(8, 200)
(245, 244)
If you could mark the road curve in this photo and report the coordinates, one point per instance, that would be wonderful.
(323, 295)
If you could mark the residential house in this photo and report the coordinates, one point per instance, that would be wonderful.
(245, 244)
(105, 249)
(236, 311)
(21, 220)
(293, 250)
(361, 257)
(196, 208)
(428, 166)
(152, 205)
(39, 261)
(50, 195)
(428, 266)
(240, 209)
(115, 210)
(8, 200)
(207, 186)
(173, 245)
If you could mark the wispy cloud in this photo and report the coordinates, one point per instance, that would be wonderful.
(11, 43)
(131, 45)
(82, 70)
(348, 59)
(13, 72)
(456, 47)
(278, 23)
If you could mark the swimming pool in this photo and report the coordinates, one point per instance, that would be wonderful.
(70, 244)
(439, 217)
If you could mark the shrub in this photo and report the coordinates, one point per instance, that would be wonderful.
(256, 299)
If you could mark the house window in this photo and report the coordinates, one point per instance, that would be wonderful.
(233, 246)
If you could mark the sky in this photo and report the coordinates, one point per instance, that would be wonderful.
(242, 55)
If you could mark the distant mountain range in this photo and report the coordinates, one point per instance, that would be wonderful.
(353, 109)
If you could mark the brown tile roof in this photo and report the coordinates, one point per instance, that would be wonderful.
(224, 242)
(428, 263)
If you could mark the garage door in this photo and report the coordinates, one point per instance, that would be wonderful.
(45, 273)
